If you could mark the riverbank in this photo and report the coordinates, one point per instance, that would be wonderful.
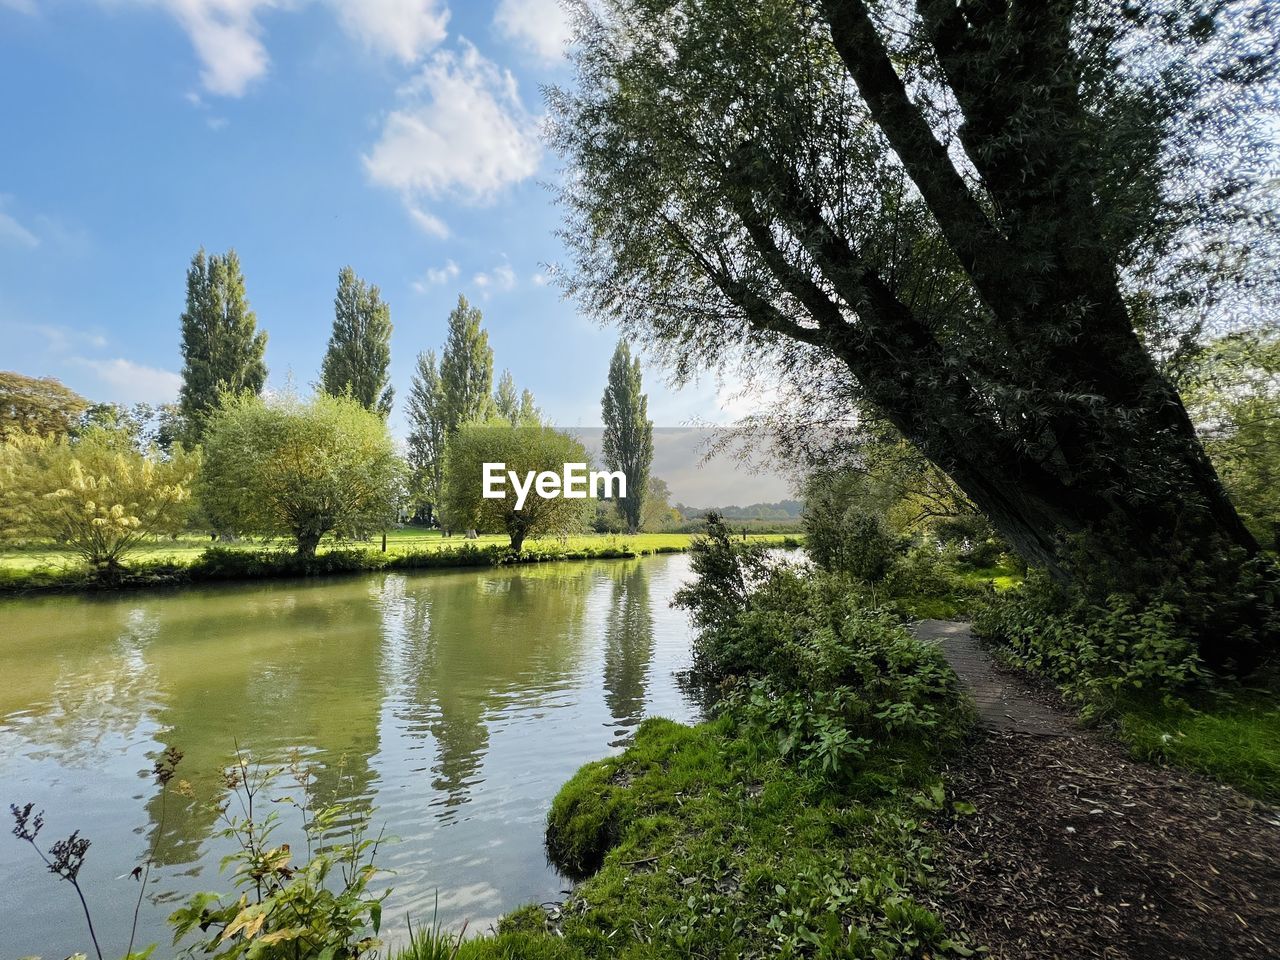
(793, 825)
(706, 841)
(1033, 836)
(801, 821)
(46, 569)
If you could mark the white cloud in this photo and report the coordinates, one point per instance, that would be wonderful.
(406, 29)
(131, 382)
(539, 279)
(56, 339)
(461, 131)
(228, 34)
(22, 6)
(227, 37)
(501, 277)
(540, 26)
(428, 223)
(437, 276)
(14, 232)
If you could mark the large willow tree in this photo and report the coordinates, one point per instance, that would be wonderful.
(983, 210)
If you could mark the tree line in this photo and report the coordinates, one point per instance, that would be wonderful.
(234, 459)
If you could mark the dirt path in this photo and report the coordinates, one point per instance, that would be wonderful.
(1078, 852)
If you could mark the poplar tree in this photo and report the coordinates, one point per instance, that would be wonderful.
(506, 401)
(466, 368)
(628, 432)
(358, 358)
(222, 348)
(427, 434)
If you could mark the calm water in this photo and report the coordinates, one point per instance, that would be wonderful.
(454, 703)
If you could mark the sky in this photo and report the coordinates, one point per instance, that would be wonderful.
(401, 137)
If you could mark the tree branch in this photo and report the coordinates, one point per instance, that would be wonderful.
(980, 247)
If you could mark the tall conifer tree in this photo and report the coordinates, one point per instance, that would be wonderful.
(466, 368)
(427, 434)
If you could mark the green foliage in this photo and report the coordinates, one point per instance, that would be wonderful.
(466, 369)
(358, 359)
(522, 449)
(841, 536)
(1095, 651)
(824, 674)
(299, 468)
(706, 842)
(801, 655)
(506, 402)
(725, 572)
(96, 493)
(771, 185)
(222, 348)
(145, 426)
(19, 574)
(1231, 734)
(1233, 393)
(658, 515)
(427, 434)
(628, 432)
(432, 942)
(39, 405)
(321, 907)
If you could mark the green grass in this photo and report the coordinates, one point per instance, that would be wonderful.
(398, 541)
(708, 845)
(1232, 737)
(1003, 576)
(190, 559)
(968, 585)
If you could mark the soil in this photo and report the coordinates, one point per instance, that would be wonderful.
(1076, 851)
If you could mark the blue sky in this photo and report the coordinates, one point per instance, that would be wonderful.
(400, 136)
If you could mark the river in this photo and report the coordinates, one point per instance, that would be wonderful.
(453, 704)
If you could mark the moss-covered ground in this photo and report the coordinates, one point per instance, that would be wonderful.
(701, 842)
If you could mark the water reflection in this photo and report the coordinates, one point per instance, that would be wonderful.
(454, 702)
(628, 648)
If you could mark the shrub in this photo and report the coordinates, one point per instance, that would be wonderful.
(1094, 651)
(282, 910)
(725, 571)
(851, 541)
(805, 659)
(96, 494)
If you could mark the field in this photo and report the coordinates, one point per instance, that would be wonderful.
(401, 541)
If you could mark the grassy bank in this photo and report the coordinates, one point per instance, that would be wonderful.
(708, 843)
(1231, 735)
(42, 567)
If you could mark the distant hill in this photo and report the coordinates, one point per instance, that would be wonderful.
(782, 510)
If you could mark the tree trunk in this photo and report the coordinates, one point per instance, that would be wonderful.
(517, 540)
(308, 540)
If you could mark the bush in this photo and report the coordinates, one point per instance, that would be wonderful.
(1093, 651)
(852, 542)
(800, 655)
(725, 571)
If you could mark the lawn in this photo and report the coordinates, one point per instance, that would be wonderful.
(1231, 735)
(406, 540)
